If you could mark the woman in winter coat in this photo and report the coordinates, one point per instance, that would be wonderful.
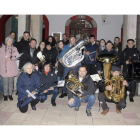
(28, 80)
(8, 66)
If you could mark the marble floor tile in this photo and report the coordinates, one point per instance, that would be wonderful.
(117, 121)
(4, 116)
(129, 116)
(101, 122)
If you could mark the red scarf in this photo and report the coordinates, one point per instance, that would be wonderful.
(46, 72)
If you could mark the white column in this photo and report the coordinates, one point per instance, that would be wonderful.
(129, 28)
(21, 25)
(36, 27)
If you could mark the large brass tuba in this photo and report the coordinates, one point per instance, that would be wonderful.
(118, 89)
(74, 54)
(74, 85)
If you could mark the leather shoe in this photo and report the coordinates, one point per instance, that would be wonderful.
(88, 113)
(131, 99)
(16, 93)
(10, 97)
(117, 110)
(33, 108)
(53, 102)
(76, 109)
(105, 112)
(5, 98)
(63, 95)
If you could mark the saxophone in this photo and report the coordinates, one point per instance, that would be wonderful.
(118, 89)
(74, 85)
(74, 54)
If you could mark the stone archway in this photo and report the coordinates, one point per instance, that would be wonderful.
(85, 17)
(4, 19)
(46, 26)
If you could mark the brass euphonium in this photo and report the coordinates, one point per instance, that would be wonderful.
(118, 89)
(74, 54)
(74, 85)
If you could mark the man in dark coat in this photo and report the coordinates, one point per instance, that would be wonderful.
(108, 50)
(117, 46)
(23, 45)
(30, 54)
(128, 55)
(90, 56)
(115, 71)
(74, 101)
(65, 41)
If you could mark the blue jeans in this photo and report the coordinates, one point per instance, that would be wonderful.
(89, 98)
(66, 71)
(1, 84)
(59, 78)
(54, 93)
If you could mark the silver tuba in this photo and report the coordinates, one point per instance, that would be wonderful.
(74, 54)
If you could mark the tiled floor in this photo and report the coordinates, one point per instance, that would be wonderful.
(46, 114)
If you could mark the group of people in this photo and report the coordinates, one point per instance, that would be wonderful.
(37, 76)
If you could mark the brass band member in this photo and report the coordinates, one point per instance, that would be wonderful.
(74, 101)
(129, 54)
(48, 77)
(28, 80)
(115, 71)
(117, 46)
(30, 54)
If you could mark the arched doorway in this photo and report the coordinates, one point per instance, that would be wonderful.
(80, 25)
(4, 19)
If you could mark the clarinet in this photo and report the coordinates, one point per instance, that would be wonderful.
(49, 88)
(21, 102)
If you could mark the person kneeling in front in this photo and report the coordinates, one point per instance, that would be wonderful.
(49, 79)
(115, 71)
(88, 95)
(28, 80)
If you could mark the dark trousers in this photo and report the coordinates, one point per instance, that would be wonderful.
(133, 82)
(54, 93)
(103, 99)
(133, 91)
(91, 69)
(33, 103)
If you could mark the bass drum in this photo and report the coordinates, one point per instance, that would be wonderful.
(136, 70)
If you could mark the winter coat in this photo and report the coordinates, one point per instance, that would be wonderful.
(88, 83)
(9, 68)
(26, 57)
(92, 49)
(48, 80)
(25, 82)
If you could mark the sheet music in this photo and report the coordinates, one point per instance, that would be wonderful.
(61, 83)
(95, 77)
(19, 55)
(32, 95)
(40, 56)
